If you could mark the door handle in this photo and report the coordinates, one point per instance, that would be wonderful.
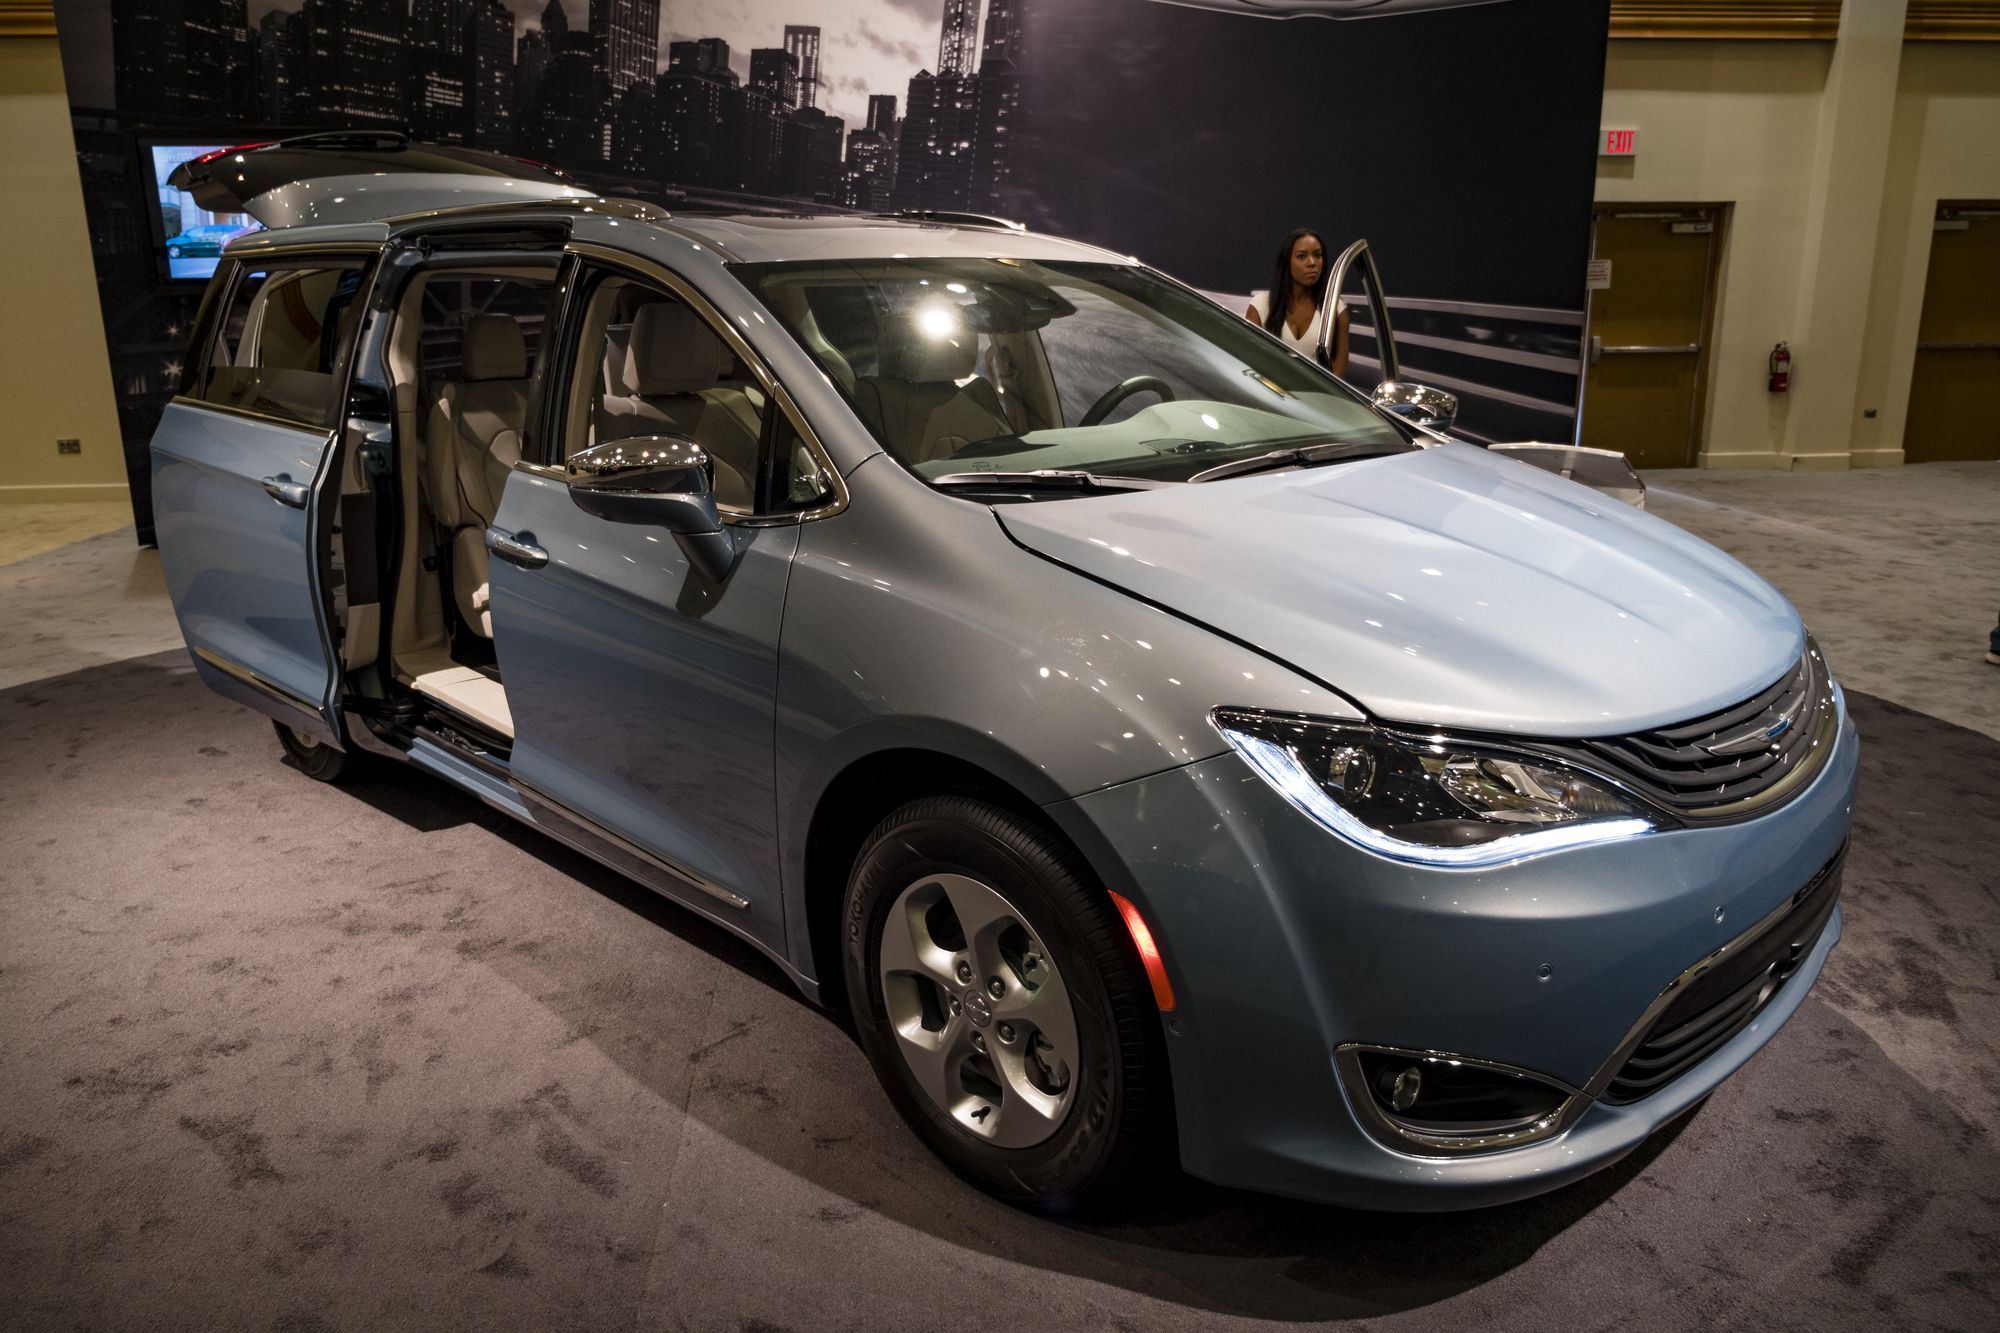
(516, 548)
(1648, 349)
(286, 491)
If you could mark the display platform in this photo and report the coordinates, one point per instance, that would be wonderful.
(272, 1052)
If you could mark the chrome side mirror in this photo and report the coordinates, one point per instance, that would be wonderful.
(1418, 402)
(665, 481)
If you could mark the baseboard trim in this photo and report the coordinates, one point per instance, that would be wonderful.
(1761, 458)
(1876, 458)
(98, 492)
(1819, 462)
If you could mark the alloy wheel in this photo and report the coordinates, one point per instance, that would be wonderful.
(981, 1015)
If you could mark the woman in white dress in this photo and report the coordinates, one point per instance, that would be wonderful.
(1294, 305)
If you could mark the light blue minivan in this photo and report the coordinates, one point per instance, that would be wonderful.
(1162, 750)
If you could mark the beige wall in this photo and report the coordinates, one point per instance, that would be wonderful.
(1945, 144)
(1739, 123)
(55, 380)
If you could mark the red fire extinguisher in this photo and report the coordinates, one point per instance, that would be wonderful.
(1781, 369)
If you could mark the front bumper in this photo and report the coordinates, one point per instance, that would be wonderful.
(1283, 943)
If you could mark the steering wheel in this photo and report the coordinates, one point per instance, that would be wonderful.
(1122, 390)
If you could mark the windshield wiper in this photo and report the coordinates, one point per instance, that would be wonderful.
(1049, 479)
(1298, 456)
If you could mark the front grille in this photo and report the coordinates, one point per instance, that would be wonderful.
(1734, 761)
(1721, 998)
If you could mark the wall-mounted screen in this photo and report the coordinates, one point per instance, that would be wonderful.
(190, 237)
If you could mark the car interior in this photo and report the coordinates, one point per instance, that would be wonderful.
(463, 355)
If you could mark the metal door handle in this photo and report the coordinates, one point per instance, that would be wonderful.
(286, 491)
(1629, 349)
(1959, 347)
(516, 548)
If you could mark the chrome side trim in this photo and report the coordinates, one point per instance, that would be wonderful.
(275, 243)
(1401, 1138)
(653, 271)
(590, 826)
(256, 682)
(251, 414)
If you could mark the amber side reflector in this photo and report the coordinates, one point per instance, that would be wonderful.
(1149, 952)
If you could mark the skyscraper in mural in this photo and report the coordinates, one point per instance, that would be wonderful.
(954, 147)
(958, 44)
(999, 105)
(489, 75)
(803, 42)
(356, 63)
(625, 37)
(192, 58)
(435, 52)
(776, 71)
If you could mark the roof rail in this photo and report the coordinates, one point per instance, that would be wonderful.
(956, 217)
(347, 139)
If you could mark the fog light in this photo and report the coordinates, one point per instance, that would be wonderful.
(1436, 1103)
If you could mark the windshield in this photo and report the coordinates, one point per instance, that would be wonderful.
(966, 365)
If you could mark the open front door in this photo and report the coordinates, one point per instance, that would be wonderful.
(242, 499)
(1353, 281)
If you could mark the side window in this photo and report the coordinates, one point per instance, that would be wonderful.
(284, 341)
(799, 481)
(453, 302)
(648, 363)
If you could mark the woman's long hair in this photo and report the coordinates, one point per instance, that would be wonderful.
(1282, 286)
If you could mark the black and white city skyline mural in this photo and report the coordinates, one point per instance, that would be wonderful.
(1456, 136)
(860, 104)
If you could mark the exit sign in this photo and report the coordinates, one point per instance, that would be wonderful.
(1618, 143)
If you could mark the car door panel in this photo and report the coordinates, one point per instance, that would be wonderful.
(240, 557)
(642, 694)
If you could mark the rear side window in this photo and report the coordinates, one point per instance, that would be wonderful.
(283, 345)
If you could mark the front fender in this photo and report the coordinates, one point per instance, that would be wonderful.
(913, 622)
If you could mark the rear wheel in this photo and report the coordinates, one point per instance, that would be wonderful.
(314, 757)
(1003, 1007)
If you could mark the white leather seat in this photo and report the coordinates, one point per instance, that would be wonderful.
(918, 402)
(471, 442)
(672, 364)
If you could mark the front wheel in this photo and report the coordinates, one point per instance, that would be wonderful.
(314, 757)
(1003, 1006)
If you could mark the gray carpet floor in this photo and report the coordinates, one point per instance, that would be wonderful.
(280, 1056)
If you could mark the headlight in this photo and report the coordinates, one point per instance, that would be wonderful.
(1432, 799)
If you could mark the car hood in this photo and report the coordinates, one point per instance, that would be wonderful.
(1445, 587)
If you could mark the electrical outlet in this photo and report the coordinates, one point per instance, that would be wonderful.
(69, 446)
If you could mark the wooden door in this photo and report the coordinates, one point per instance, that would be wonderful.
(1955, 389)
(1643, 375)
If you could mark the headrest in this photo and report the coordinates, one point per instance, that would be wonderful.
(494, 349)
(928, 357)
(672, 351)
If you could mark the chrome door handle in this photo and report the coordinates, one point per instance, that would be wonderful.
(516, 548)
(1649, 349)
(286, 491)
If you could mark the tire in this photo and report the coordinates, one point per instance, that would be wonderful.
(1061, 1128)
(315, 758)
